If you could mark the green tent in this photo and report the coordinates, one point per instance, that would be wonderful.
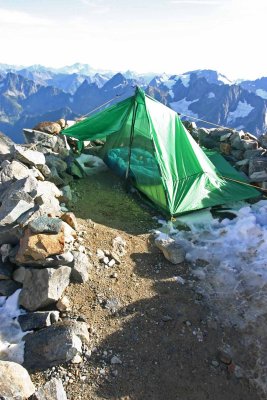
(147, 143)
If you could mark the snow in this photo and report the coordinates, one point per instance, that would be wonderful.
(242, 110)
(11, 344)
(262, 93)
(182, 107)
(211, 95)
(233, 277)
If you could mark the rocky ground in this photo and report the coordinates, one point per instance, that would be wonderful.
(151, 335)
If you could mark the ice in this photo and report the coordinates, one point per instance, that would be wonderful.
(228, 264)
(242, 110)
(11, 343)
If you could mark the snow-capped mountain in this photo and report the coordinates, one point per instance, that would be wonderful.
(31, 94)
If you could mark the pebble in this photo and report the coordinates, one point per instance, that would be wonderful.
(115, 360)
(106, 260)
(166, 318)
(77, 359)
(224, 357)
(215, 363)
(100, 254)
(112, 263)
(114, 275)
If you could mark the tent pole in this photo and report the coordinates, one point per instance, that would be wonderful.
(131, 140)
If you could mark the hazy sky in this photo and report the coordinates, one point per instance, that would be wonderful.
(142, 35)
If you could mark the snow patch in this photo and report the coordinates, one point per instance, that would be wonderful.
(211, 95)
(262, 93)
(229, 269)
(11, 344)
(182, 107)
(242, 110)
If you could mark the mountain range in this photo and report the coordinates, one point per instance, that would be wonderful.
(32, 94)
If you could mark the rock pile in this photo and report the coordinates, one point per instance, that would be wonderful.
(40, 254)
(247, 153)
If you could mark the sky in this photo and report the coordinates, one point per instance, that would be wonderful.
(172, 36)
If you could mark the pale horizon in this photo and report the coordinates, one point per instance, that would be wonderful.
(171, 36)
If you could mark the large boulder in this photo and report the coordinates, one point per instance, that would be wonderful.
(52, 390)
(42, 287)
(15, 382)
(45, 142)
(39, 246)
(56, 344)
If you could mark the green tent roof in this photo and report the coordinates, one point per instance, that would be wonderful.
(147, 142)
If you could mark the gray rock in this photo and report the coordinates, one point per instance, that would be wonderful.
(29, 157)
(258, 169)
(172, 250)
(6, 147)
(6, 270)
(10, 234)
(18, 204)
(55, 178)
(15, 382)
(56, 344)
(53, 261)
(66, 194)
(37, 320)
(19, 274)
(5, 251)
(26, 185)
(14, 171)
(42, 287)
(52, 390)
(255, 153)
(250, 144)
(54, 161)
(45, 224)
(45, 170)
(67, 178)
(8, 287)
(81, 267)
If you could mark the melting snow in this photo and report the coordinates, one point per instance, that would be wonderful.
(182, 107)
(233, 277)
(262, 93)
(242, 110)
(11, 344)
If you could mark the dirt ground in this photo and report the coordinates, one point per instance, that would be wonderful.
(165, 338)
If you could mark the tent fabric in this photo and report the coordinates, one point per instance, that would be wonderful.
(147, 142)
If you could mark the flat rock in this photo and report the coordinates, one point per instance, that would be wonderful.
(172, 251)
(29, 157)
(45, 224)
(81, 267)
(52, 390)
(42, 287)
(37, 320)
(56, 344)
(39, 246)
(15, 382)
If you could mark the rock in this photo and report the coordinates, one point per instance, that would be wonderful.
(14, 171)
(225, 148)
(56, 344)
(37, 174)
(100, 254)
(111, 263)
(5, 251)
(44, 141)
(39, 246)
(48, 127)
(172, 250)
(19, 274)
(8, 287)
(53, 261)
(81, 267)
(53, 161)
(119, 246)
(52, 390)
(255, 153)
(70, 219)
(15, 382)
(76, 171)
(6, 147)
(115, 360)
(66, 194)
(224, 357)
(45, 170)
(48, 189)
(27, 185)
(238, 154)
(258, 169)
(42, 287)
(37, 320)
(45, 224)
(250, 144)
(55, 178)
(18, 204)
(10, 234)
(6, 270)
(63, 304)
(226, 136)
(29, 157)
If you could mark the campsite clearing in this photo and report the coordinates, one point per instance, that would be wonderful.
(152, 336)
